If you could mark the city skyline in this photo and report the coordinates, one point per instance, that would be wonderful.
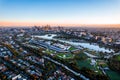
(59, 12)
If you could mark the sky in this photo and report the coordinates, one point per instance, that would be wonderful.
(59, 12)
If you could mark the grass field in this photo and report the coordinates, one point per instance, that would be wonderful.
(113, 75)
(72, 48)
(49, 51)
(60, 55)
(118, 57)
(84, 63)
(65, 55)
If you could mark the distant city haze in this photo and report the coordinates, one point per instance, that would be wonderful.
(100, 13)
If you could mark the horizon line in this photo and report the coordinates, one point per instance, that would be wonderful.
(29, 24)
